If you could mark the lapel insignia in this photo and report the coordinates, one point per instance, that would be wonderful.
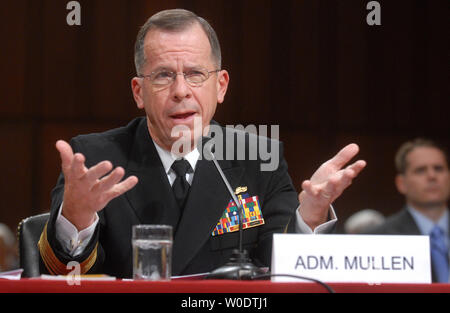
(229, 222)
(240, 190)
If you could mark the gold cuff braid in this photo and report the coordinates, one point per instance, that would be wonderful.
(54, 265)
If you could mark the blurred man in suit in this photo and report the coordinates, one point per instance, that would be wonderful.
(423, 178)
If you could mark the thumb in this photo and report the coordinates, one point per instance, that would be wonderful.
(66, 154)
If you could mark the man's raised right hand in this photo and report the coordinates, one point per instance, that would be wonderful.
(87, 191)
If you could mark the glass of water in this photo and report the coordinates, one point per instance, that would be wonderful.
(152, 252)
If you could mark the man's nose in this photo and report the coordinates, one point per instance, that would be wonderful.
(180, 88)
(431, 173)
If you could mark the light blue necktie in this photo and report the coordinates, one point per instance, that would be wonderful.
(439, 254)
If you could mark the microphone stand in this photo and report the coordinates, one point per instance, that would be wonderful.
(239, 266)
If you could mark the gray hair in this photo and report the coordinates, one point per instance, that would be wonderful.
(363, 221)
(175, 20)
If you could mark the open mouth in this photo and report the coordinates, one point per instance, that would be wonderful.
(182, 116)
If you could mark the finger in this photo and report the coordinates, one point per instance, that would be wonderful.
(345, 155)
(357, 167)
(335, 184)
(342, 179)
(310, 188)
(77, 168)
(97, 171)
(66, 154)
(123, 186)
(351, 172)
(330, 188)
(324, 190)
(109, 181)
(119, 189)
(307, 187)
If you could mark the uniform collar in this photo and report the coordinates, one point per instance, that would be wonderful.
(167, 157)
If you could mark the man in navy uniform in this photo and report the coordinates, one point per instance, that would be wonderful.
(179, 82)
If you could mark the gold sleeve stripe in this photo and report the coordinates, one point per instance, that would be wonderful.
(54, 265)
(286, 228)
(51, 262)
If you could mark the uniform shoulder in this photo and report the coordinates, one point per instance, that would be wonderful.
(113, 144)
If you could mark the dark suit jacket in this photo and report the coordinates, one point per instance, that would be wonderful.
(401, 223)
(151, 201)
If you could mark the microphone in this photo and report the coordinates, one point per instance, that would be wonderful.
(239, 266)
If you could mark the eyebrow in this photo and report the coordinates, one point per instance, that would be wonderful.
(162, 68)
(433, 166)
(170, 69)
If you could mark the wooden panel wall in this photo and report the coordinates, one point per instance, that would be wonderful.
(314, 67)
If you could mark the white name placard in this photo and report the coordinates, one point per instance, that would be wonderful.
(352, 258)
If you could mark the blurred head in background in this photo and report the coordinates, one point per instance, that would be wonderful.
(362, 221)
(423, 176)
(8, 249)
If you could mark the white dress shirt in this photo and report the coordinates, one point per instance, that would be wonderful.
(75, 241)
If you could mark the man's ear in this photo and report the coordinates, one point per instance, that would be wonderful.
(400, 183)
(222, 85)
(136, 88)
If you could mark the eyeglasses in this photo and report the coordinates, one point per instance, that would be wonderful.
(194, 77)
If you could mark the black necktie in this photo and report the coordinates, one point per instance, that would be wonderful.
(180, 186)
